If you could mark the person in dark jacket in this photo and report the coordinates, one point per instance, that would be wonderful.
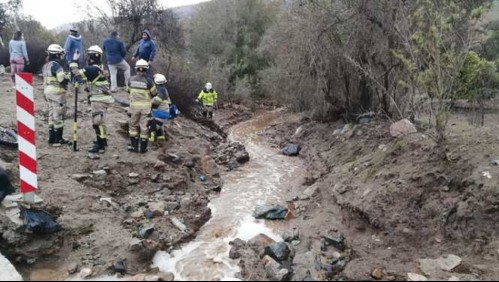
(146, 50)
(74, 43)
(115, 54)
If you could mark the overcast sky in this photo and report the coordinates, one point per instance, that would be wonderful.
(53, 13)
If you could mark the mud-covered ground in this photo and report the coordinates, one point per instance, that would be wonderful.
(101, 205)
(396, 201)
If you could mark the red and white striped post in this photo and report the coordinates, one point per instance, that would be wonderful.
(25, 101)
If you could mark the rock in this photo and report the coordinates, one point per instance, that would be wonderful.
(311, 191)
(85, 273)
(158, 208)
(432, 267)
(261, 241)
(291, 235)
(238, 243)
(281, 252)
(402, 128)
(149, 214)
(166, 276)
(151, 245)
(133, 175)
(173, 158)
(377, 274)
(133, 181)
(135, 245)
(146, 231)
(186, 202)
(274, 270)
(171, 206)
(100, 174)
(242, 157)
(73, 268)
(416, 277)
(291, 150)
(235, 252)
(337, 242)
(138, 214)
(81, 177)
(209, 166)
(120, 267)
(270, 212)
(155, 178)
(159, 165)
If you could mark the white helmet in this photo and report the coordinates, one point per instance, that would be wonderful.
(55, 49)
(208, 86)
(94, 50)
(142, 64)
(159, 79)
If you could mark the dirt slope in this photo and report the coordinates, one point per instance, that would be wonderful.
(395, 200)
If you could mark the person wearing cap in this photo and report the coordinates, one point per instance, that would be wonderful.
(146, 50)
(74, 43)
(115, 55)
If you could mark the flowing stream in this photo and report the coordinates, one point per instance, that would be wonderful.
(266, 179)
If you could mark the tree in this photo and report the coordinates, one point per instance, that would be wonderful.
(130, 18)
(226, 42)
(437, 41)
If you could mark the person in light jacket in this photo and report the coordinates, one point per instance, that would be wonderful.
(18, 55)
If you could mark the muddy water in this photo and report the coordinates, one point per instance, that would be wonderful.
(266, 179)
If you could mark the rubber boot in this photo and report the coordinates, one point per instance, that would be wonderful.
(152, 129)
(97, 146)
(160, 135)
(134, 144)
(59, 140)
(143, 145)
(51, 135)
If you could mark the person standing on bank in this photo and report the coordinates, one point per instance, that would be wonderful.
(74, 43)
(146, 51)
(115, 52)
(18, 55)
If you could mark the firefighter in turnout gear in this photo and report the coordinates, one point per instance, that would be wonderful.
(55, 82)
(142, 89)
(100, 96)
(160, 110)
(208, 97)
